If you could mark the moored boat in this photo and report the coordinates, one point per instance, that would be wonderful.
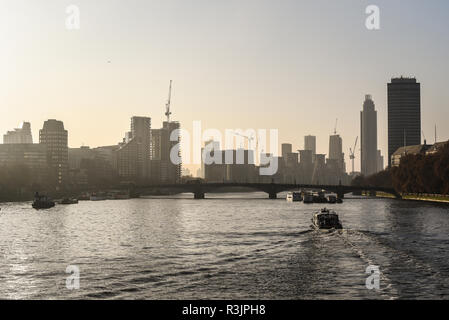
(319, 197)
(308, 197)
(42, 202)
(331, 199)
(121, 196)
(294, 197)
(98, 196)
(68, 201)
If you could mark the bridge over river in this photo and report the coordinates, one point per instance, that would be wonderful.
(272, 189)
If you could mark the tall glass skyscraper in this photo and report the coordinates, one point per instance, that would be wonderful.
(404, 114)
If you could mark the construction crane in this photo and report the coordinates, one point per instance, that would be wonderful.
(335, 128)
(167, 105)
(249, 138)
(352, 153)
(424, 136)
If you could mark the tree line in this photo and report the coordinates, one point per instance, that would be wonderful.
(416, 173)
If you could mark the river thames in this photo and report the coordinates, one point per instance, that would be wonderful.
(228, 246)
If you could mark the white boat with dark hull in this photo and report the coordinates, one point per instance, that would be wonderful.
(326, 219)
(294, 197)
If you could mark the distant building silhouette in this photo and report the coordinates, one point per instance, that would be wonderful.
(368, 134)
(55, 138)
(404, 114)
(310, 144)
(19, 135)
(31, 157)
(212, 172)
(286, 149)
(92, 166)
(134, 153)
(319, 175)
(164, 170)
(336, 152)
(306, 166)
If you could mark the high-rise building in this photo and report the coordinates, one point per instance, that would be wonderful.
(242, 169)
(404, 114)
(55, 138)
(310, 144)
(19, 135)
(336, 152)
(134, 154)
(368, 134)
(213, 172)
(141, 130)
(165, 170)
(286, 149)
(319, 169)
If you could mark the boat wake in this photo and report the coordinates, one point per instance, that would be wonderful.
(401, 271)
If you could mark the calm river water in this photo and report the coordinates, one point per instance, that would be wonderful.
(239, 246)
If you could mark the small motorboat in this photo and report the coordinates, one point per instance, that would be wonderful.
(68, 201)
(326, 219)
(294, 197)
(42, 202)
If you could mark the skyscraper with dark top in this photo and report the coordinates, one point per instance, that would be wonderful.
(368, 131)
(404, 114)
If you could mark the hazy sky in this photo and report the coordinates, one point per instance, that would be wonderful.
(291, 65)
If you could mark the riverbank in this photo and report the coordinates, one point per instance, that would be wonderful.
(418, 197)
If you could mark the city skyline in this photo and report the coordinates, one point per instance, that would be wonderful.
(231, 82)
(224, 155)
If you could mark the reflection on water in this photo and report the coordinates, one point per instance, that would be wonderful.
(230, 246)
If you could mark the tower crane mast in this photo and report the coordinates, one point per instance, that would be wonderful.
(167, 105)
(352, 153)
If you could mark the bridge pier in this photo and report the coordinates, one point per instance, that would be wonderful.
(273, 195)
(340, 192)
(198, 195)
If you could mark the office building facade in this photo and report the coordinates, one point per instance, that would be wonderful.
(55, 138)
(19, 135)
(404, 114)
(310, 144)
